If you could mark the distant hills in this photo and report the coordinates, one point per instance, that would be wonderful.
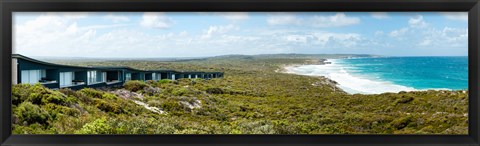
(181, 59)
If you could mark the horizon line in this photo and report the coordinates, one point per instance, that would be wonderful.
(200, 57)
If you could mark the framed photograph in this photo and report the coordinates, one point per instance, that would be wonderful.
(239, 72)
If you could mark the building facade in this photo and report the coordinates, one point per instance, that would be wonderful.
(26, 70)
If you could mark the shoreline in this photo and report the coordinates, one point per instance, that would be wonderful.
(333, 83)
(339, 78)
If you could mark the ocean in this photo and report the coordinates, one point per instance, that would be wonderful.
(392, 74)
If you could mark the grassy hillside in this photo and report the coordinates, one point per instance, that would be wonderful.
(252, 98)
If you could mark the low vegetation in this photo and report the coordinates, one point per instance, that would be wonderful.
(254, 97)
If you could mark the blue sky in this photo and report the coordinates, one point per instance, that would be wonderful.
(199, 34)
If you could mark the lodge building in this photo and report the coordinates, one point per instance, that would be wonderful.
(31, 71)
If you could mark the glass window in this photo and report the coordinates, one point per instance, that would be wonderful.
(154, 76)
(66, 78)
(32, 76)
(92, 77)
(96, 77)
(128, 76)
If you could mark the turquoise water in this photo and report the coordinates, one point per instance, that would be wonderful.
(419, 73)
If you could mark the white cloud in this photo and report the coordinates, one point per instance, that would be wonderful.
(417, 22)
(379, 15)
(283, 19)
(234, 16)
(218, 30)
(337, 20)
(425, 42)
(459, 16)
(429, 37)
(53, 33)
(41, 36)
(413, 23)
(297, 38)
(117, 18)
(379, 33)
(397, 33)
(155, 20)
(328, 39)
(446, 37)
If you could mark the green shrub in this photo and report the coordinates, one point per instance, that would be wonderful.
(107, 107)
(31, 129)
(20, 93)
(141, 125)
(214, 91)
(109, 96)
(92, 93)
(40, 95)
(165, 81)
(54, 110)
(401, 122)
(55, 97)
(68, 91)
(181, 91)
(35, 98)
(71, 100)
(134, 85)
(191, 131)
(154, 103)
(404, 99)
(99, 126)
(171, 105)
(30, 113)
(283, 127)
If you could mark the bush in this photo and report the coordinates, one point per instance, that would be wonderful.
(31, 129)
(405, 99)
(142, 125)
(71, 100)
(55, 97)
(214, 91)
(180, 92)
(99, 126)
(134, 86)
(401, 122)
(54, 110)
(68, 91)
(92, 93)
(191, 131)
(30, 113)
(20, 93)
(109, 96)
(171, 105)
(107, 107)
(40, 95)
(164, 81)
(283, 127)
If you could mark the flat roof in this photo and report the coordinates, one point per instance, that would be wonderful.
(102, 67)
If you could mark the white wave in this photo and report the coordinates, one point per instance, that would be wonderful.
(349, 83)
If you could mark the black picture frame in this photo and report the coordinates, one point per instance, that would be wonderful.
(9, 6)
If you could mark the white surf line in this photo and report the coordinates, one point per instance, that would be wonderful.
(349, 83)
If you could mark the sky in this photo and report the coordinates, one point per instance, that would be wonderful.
(203, 34)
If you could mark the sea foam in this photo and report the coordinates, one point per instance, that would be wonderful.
(349, 82)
